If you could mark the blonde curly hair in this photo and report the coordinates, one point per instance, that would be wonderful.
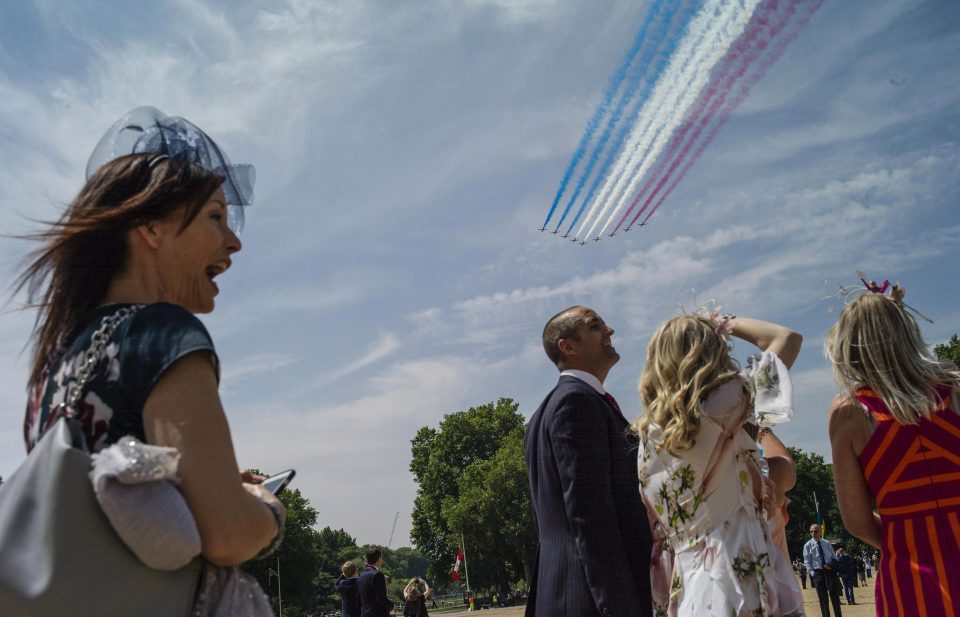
(877, 344)
(686, 360)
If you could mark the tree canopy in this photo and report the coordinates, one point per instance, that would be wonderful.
(310, 561)
(472, 481)
(949, 350)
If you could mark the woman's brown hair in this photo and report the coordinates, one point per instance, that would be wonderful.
(70, 274)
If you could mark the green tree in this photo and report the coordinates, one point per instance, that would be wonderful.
(334, 547)
(399, 566)
(949, 350)
(472, 481)
(298, 557)
(815, 477)
(493, 509)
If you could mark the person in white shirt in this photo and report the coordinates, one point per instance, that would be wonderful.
(818, 555)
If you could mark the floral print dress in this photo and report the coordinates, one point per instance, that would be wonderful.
(140, 351)
(713, 555)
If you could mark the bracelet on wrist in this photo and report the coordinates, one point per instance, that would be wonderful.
(281, 528)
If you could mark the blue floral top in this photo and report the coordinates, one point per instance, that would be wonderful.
(141, 349)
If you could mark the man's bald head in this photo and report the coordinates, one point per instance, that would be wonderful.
(563, 325)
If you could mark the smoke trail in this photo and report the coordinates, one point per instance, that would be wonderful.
(678, 78)
(768, 21)
(613, 85)
(673, 117)
(699, 27)
(745, 89)
(640, 75)
(672, 37)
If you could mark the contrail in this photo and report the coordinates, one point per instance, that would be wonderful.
(731, 28)
(640, 74)
(761, 70)
(767, 22)
(662, 58)
(667, 96)
(699, 28)
(612, 87)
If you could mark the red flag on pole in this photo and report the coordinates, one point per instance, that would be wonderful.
(454, 573)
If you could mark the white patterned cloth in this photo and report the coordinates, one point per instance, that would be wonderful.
(716, 556)
(134, 484)
(772, 390)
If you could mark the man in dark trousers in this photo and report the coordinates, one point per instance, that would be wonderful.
(346, 586)
(594, 555)
(373, 587)
(847, 569)
(820, 560)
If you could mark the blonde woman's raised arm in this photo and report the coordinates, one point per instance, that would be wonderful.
(769, 337)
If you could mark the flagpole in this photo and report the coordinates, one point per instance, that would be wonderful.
(816, 505)
(466, 570)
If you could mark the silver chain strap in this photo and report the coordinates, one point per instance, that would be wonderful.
(91, 358)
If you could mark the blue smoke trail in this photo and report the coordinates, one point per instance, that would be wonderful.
(636, 78)
(612, 87)
(624, 131)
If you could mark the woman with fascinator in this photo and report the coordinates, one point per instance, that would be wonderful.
(701, 474)
(895, 435)
(142, 246)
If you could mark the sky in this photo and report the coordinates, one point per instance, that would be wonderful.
(407, 153)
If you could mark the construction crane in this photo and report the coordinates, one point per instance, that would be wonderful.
(394, 530)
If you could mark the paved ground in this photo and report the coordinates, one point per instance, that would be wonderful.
(863, 596)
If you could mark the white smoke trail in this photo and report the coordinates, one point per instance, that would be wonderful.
(669, 124)
(672, 113)
(698, 29)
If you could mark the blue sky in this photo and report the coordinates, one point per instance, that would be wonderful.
(406, 154)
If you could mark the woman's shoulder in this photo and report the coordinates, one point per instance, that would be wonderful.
(725, 398)
(161, 323)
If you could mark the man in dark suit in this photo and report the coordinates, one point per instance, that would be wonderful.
(373, 587)
(594, 555)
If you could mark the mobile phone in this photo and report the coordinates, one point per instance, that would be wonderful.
(278, 482)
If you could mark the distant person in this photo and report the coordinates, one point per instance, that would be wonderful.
(861, 573)
(349, 592)
(821, 560)
(594, 553)
(373, 587)
(415, 599)
(847, 569)
(895, 435)
(802, 572)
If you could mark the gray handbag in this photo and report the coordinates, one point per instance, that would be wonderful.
(58, 553)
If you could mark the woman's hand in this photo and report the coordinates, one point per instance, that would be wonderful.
(267, 497)
(250, 477)
(897, 293)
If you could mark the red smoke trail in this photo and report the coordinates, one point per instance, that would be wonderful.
(744, 90)
(763, 28)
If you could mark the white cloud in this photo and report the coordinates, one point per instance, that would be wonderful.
(383, 347)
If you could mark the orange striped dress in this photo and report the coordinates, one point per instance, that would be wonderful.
(913, 472)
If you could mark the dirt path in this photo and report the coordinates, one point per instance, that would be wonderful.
(865, 606)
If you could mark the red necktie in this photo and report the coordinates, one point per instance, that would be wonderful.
(613, 402)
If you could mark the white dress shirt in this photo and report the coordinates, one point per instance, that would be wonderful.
(588, 378)
(811, 556)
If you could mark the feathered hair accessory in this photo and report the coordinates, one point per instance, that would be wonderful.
(893, 291)
(722, 322)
